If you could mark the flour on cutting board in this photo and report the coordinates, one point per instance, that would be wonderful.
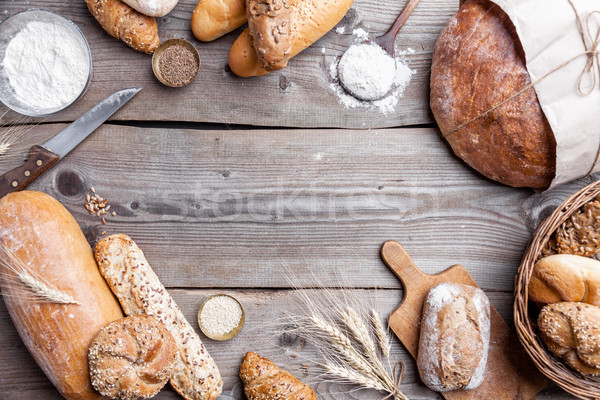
(388, 103)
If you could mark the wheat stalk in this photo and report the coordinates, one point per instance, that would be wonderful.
(380, 333)
(351, 376)
(29, 281)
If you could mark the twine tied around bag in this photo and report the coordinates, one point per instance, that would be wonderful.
(590, 72)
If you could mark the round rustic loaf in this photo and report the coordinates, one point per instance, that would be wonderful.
(478, 62)
(132, 358)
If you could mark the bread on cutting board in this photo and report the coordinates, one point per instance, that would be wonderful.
(52, 288)
(454, 338)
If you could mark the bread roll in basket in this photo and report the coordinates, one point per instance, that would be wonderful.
(585, 387)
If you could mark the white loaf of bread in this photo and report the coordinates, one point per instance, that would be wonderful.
(123, 265)
(152, 8)
(454, 338)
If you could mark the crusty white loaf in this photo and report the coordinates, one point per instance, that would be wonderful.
(454, 338)
(152, 8)
(565, 277)
(139, 291)
(214, 18)
(45, 243)
(309, 21)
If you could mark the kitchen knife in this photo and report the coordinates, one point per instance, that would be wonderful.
(43, 157)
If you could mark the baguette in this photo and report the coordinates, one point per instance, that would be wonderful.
(214, 18)
(40, 239)
(565, 277)
(139, 291)
(454, 338)
(310, 20)
(119, 20)
(152, 8)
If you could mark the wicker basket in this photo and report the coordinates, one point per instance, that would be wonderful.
(571, 381)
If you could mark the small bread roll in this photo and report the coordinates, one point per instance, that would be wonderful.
(565, 277)
(132, 358)
(214, 18)
(152, 8)
(572, 331)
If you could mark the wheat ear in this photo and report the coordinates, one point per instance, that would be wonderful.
(352, 376)
(29, 281)
(380, 333)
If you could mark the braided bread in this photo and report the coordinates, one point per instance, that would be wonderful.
(572, 331)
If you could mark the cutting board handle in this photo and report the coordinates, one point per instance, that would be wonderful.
(398, 260)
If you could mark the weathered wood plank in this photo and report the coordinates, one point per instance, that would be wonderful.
(217, 95)
(236, 208)
(20, 378)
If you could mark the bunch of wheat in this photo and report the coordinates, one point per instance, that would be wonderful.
(352, 341)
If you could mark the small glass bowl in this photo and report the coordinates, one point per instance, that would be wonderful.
(225, 336)
(8, 30)
(165, 45)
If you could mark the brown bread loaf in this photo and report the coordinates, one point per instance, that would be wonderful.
(565, 277)
(454, 338)
(121, 21)
(263, 380)
(45, 243)
(572, 331)
(309, 21)
(132, 280)
(478, 62)
(214, 18)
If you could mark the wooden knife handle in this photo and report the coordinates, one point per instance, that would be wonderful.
(40, 160)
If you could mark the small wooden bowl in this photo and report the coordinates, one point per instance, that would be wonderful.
(160, 50)
(584, 387)
(225, 336)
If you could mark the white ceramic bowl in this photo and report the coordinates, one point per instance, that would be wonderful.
(8, 30)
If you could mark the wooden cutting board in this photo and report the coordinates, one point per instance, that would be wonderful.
(510, 374)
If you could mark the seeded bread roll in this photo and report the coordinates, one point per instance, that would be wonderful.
(309, 21)
(139, 291)
(269, 23)
(454, 338)
(132, 358)
(572, 331)
(214, 18)
(46, 246)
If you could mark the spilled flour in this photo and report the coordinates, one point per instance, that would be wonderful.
(385, 105)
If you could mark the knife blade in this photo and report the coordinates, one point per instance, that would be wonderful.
(45, 156)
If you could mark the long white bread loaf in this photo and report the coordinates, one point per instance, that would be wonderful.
(139, 291)
(47, 264)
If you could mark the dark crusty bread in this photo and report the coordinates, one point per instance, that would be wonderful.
(572, 331)
(454, 338)
(478, 62)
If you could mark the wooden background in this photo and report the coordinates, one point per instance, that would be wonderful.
(225, 190)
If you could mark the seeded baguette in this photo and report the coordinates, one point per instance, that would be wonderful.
(119, 20)
(123, 265)
(309, 21)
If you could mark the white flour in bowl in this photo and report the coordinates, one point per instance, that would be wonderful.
(388, 103)
(46, 65)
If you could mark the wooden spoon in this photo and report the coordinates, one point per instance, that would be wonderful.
(386, 42)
